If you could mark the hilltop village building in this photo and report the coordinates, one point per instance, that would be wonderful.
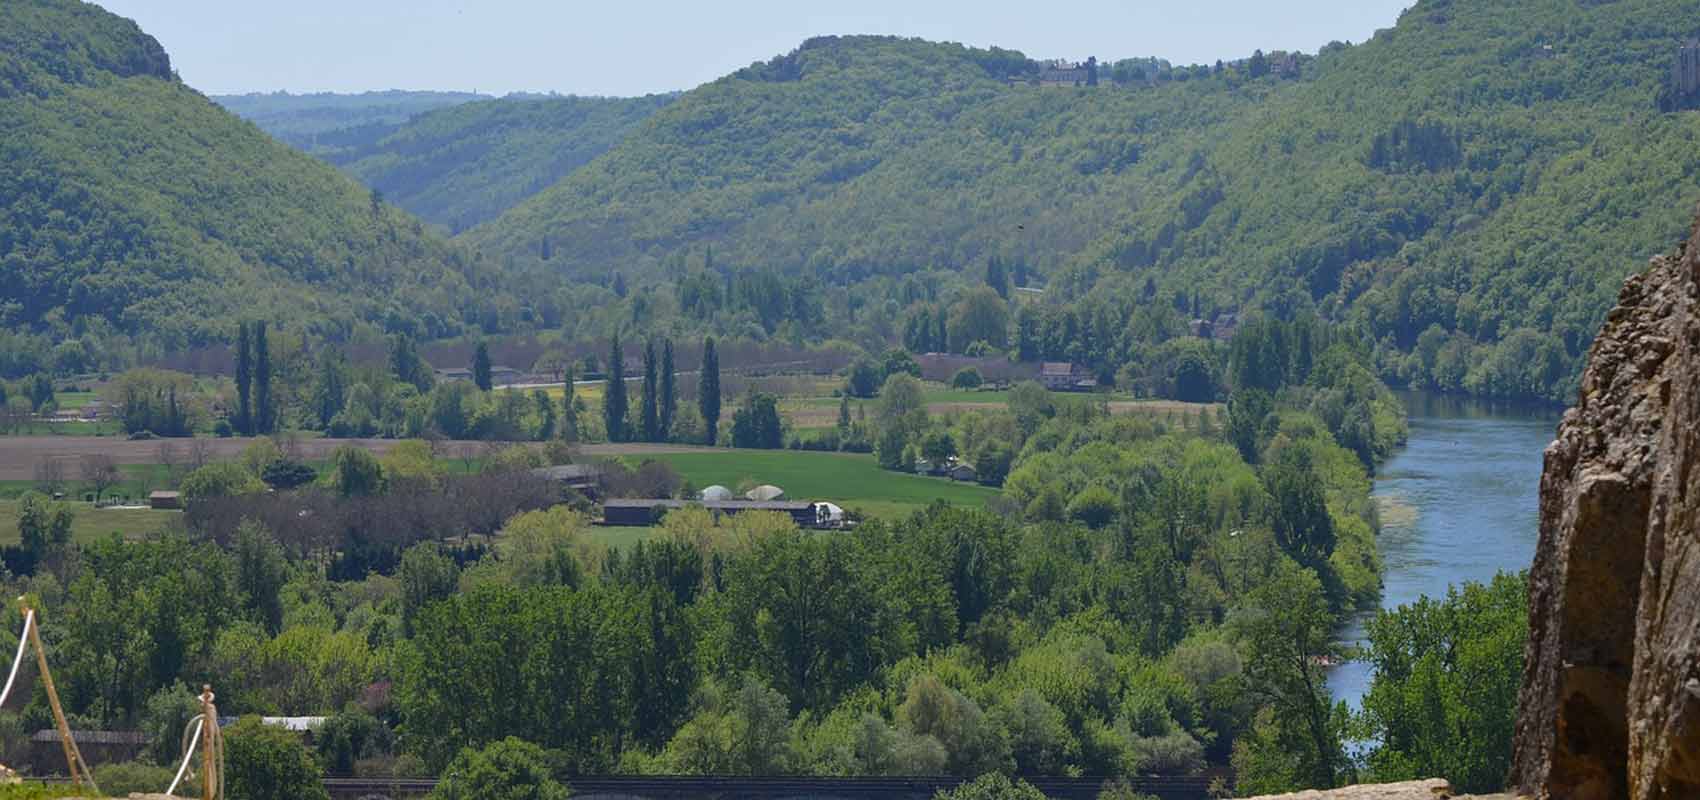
(1685, 73)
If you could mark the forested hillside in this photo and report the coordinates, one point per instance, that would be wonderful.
(461, 166)
(1460, 186)
(133, 206)
(324, 122)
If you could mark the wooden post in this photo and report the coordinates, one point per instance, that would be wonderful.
(80, 773)
(209, 730)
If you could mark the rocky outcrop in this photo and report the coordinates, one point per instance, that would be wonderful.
(1433, 789)
(1610, 701)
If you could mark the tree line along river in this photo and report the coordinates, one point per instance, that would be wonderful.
(1458, 503)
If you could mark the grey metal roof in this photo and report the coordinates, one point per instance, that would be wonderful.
(715, 505)
(93, 737)
(567, 472)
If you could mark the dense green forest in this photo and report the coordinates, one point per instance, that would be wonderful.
(1467, 186)
(134, 207)
(461, 166)
(1465, 190)
(1142, 598)
(325, 122)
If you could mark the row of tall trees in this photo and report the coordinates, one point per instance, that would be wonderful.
(256, 410)
(659, 402)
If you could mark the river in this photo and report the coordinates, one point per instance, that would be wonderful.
(1458, 503)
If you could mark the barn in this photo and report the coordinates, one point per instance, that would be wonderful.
(649, 512)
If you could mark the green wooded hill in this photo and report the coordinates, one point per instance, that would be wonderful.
(328, 122)
(464, 165)
(130, 201)
(1469, 186)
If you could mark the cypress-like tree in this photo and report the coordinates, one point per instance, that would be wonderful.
(173, 415)
(407, 365)
(265, 411)
(649, 412)
(569, 408)
(244, 422)
(332, 390)
(481, 367)
(669, 392)
(614, 399)
(708, 391)
(545, 415)
(996, 277)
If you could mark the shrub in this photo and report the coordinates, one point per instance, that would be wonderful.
(992, 786)
(119, 780)
(265, 762)
(349, 737)
(511, 769)
(286, 474)
(967, 378)
(164, 718)
(1094, 505)
(219, 480)
(864, 379)
(37, 791)
(357, 472)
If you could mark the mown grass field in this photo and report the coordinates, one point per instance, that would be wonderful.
(93, 523)
(74, 400)
(852, 481)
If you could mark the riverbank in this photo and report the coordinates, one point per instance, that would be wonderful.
(1458, 502)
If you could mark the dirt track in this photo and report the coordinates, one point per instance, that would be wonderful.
(20, 454)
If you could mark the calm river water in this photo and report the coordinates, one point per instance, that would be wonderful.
(1458, 503)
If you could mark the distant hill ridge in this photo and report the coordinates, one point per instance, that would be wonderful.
(1469, 187)
(131, 205)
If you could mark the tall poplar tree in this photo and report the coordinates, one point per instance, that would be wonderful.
(265, 411)
(669, 392)
(649, 413)
(244, 381)
(614, 399)
(708, 391)
(569, 408)
(997, 277)
(481, 367)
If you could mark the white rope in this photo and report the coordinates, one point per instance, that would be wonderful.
(23, 640)
(188, 755)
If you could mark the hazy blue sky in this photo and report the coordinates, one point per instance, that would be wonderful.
(624, 48)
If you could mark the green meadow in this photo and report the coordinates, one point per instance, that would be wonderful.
(852, 481)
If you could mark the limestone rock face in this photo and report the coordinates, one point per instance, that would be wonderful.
(1433, 789)
(1610, 701)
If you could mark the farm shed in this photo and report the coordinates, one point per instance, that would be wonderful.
(649, 512)
(582, 478)
(166, 501)
(100, 747)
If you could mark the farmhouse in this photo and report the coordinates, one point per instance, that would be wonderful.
(582, 478)
(649, 512)
(499, 376)
(962, 471)
(1062, 376)
(1061, 72)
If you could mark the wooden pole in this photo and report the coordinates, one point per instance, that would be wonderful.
(80, 773)
(209, 731)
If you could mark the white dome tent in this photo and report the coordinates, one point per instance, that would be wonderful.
(766, 493)
(716, 494)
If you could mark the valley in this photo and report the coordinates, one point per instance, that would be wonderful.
(886, 415)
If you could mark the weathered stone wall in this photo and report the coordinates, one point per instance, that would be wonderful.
(1610, 701)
